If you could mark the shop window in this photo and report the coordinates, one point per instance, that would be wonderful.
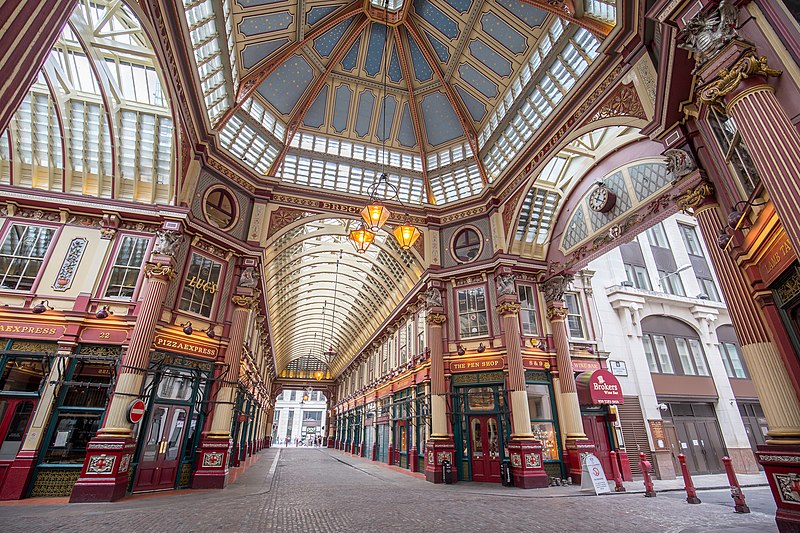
(638, 276)
(127, 267)
(22, 255)
(467, 245)
(734, 150)
(574, 316)
(481, 399)
(732, 359)
(200, 286)
(12, 440)
(220, 208)
(176, 385)
(542, 424)
(22, 374)
(527, 311)
(472, 319)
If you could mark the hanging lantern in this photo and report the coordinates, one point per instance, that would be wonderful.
(375, 214)
(361, 238)
(406, 235)
(319, 374)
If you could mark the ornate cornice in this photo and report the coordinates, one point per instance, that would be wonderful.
(159, 270)
(694, 198)
(556, 313)
(729, 79)
(436, 319)
(508, 308)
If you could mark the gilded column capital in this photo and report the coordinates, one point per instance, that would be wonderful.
(729, 78)
(436, 319)
(694, 198)
(555, 313)
(508, 308)
(159, 270)
(241, 300)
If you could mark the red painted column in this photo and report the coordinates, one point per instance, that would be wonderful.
(212, 456)
(28, 31)
(104, 476)
(525, 452)
(440, 446)
(576, 441)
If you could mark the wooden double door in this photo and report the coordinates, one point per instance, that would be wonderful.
(484, 435)
(162, 448)
(596, 429)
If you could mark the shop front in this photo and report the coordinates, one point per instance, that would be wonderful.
(480, 425)
(382, 444)
(597, 390)
(544, 420)
(176, 393)
(402, 426)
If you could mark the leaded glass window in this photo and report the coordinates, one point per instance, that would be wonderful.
(22, 254)
(200, 285)
(472, 313)
(127, 267)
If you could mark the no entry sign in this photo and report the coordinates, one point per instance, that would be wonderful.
(135, 411)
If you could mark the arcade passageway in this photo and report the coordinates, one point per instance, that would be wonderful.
(318, 489)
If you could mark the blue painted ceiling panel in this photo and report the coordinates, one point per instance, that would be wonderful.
(253, 53)
(406, 135)
(436, 18)
(460, 5)
(422, 70)
(489, 57)
(377, 37)
(439, 47)
(476, 108)
(315, 116)
(532, 16)
(395, 73)
(287, 84)
(502, 32)
(326, 42)
(474, 77)
(269, 23)
(366, 103)
(255, 3)
(390, 103)
(349, 60)
(441, 122)
(315, 14)
(341, 107)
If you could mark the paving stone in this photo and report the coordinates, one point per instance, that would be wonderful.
(320, 490)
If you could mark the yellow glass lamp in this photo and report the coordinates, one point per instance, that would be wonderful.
(361, 238)
(375, 214)
(406, 235)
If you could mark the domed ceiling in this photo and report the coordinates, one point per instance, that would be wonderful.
(296, 89)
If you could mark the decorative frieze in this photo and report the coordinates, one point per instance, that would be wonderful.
(508, 308)
(66, 274)
(729, 79)
(693, 198)
(159, 270)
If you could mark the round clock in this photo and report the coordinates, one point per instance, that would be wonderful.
(602, 199)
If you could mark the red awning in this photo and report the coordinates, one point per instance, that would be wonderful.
(598, 387)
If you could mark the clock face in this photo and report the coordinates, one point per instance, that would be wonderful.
(602, 200)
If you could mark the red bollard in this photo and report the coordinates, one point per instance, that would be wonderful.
(617, 474)
(736, 491)
(645, 466)
(691, 492)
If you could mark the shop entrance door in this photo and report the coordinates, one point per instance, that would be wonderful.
(162, 450)
(596, 430)
(484, 448)
(14, 417)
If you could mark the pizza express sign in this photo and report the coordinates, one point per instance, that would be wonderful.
(599, 387)
(169, 344)
(22, 330)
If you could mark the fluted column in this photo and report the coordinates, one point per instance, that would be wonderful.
(436, 318)
(134, 363)
(571, 410)
(508, 309)
(223, 409)
(770, 136)
(762, 357)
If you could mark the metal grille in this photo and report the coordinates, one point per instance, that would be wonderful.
(52, 482)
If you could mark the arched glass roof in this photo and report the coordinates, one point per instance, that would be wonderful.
(97, 121)
(297, 90)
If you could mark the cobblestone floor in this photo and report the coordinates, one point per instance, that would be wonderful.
(305, 490)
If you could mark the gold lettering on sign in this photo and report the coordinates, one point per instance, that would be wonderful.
(36, 330)
(203, 285)
(104, 334)
(775, 259)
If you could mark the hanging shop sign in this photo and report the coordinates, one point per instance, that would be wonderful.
(779, 256)
(27, 330)
(599, 387)
(582, 365)
(135, 411)
(535, 363)
(171, 344)
(477, 364)
(103, 335)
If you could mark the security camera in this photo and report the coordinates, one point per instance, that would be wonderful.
(663, 406)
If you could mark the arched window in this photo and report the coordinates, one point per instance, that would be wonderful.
(673, 347)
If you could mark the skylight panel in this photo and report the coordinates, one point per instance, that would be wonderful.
(248, 144)
(605, 10)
